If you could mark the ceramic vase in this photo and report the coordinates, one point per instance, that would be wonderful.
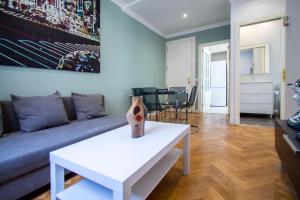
(136, 117)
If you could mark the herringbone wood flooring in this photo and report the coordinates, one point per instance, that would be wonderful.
(227, 162)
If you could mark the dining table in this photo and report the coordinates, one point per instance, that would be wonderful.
(165, 91)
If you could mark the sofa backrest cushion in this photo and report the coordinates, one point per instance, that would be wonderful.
(39, 112)
(88, 106)
(69, 107)
(11, 121)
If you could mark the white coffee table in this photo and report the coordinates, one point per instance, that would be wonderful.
(116, 166)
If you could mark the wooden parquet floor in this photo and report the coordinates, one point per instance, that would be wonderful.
(227, 163)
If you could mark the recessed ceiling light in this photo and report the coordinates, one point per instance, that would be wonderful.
(184, 15)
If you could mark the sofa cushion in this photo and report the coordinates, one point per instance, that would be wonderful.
(39, 112)
(22, 153)
(1, 121)
(88, 106)
(10, 119)
(69, 107)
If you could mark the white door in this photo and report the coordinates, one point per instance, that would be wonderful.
(180, 60)
(218, 83)
(206, 80)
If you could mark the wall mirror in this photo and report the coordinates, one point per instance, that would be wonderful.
(255, 59)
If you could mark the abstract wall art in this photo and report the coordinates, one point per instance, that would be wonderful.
(50, 34)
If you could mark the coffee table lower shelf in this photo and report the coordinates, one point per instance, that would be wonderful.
(86, 189)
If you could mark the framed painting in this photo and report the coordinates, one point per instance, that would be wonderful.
(50, 34)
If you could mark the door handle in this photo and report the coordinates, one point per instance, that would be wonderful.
(189, 81)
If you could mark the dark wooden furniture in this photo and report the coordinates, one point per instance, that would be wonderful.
(288, 148)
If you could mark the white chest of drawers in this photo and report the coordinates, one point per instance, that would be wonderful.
(257, 98)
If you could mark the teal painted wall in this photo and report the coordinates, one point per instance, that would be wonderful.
(207, 36)
(132, 56)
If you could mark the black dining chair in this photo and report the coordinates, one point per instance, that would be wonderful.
(190, 104)
(137, 92)
(180, 94)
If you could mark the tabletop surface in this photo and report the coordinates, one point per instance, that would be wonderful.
(115, 154)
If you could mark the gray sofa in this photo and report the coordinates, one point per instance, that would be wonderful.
(24, 157)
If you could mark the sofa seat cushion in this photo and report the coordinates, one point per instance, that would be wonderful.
(22, 153)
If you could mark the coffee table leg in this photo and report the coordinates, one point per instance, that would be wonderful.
(122, 195)
(186, 154)
(57, 180)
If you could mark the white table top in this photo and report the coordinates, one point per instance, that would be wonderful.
(115, 157)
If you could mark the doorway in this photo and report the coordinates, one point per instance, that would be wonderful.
(260, 72)
(213, 60)
(235, 75)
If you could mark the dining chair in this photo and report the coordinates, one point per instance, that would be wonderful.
(188, 105)
(181, 96)
(162, 97)
(152, 101)
(137, 92)
(170, 102)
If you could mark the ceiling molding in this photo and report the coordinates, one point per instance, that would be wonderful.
(125, 8)
(132, 3)
(201, 28)
(138, 17)
(144, 22)
(118, 3)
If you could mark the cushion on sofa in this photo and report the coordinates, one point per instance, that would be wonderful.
(22, 153)
(1, 121)
(88, 106)
(39, 112)
(11, 121)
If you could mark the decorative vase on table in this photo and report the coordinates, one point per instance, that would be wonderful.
(136, 116)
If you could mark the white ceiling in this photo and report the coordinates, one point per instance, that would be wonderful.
(165, 16)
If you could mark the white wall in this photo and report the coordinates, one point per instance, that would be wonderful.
(264, 33)
(241, 11)
(292, 52)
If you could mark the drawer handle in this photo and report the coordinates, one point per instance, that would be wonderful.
(290, 143)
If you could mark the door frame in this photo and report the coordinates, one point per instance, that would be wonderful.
(200, 71)
(206, 70)
(193, 68)
(234, 108)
